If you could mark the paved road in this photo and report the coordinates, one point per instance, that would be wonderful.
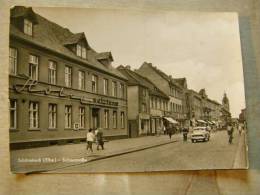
(216, 153)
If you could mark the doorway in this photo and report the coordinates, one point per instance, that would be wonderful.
(95, 118)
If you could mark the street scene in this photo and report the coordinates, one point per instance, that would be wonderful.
(138, 154)
(73, 109)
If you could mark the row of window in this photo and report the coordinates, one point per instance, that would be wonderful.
(52, 75)
(176, 107)
(175, 93)
(157, 103)
(81, 50)
(52, 116)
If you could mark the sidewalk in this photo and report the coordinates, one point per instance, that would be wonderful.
(57, 157)
(241, 159)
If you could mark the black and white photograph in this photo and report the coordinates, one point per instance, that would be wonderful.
(123, 90)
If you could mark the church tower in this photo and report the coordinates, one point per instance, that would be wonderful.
(225, 101)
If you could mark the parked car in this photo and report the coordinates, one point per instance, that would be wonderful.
(200, 134)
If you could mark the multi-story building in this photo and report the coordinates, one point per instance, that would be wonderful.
(215, 111)
(194, 106)
(147, 104)
(202, 108)
(59, 86)
(174, 88)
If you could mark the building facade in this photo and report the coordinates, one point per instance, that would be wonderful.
(194, 106)
(148, 104)
(173, 88)
(59, 87)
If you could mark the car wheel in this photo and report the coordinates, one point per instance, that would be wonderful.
(192, 141)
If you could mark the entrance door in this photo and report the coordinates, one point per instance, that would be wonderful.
(95, 118)
(153, 126)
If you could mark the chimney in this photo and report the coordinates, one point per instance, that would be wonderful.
(128, 67)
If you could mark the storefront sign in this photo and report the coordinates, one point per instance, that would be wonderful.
(105, 101)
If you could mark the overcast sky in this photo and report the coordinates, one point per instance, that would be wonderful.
(203, 47)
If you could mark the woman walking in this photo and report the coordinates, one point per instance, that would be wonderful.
(90, 140)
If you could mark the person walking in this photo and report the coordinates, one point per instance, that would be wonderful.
(90, 140)
(230, 130)
(99, 138)
(170, 132)
(185, 132)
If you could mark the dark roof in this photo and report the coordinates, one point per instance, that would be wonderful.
(104, 55)
(195, 93)
(75, 38)
(165, 76)
(135, 78)
(181, 81)
(51, 36)
(20, 11)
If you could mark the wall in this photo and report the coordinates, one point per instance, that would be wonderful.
(133, 102)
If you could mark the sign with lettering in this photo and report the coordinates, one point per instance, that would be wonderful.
(105, 101)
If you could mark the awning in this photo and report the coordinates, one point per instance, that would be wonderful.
(171, 120)
(202, 121)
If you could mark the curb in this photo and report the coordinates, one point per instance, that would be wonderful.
(106, 157)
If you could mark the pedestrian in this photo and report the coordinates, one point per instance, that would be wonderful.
(230, 130)
(99, 138)
(164, 130)
(185, 132)
(90, 140)
(170, 131)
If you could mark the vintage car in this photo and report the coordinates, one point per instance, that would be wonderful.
(200, 134)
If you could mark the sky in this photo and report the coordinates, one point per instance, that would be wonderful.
(204, 47)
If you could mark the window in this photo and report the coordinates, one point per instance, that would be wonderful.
(105, 86)
(81, 117)
(68, 118)
(13, 114)
(106, 119)
(34, 115)
(152, 102)
(121, 90)
(81, 51)
(12, 61)
(144, 108)
(81, 80)
(94, 83)
(68, 78)
(33, 67)
(122, 119)
(52, 116)
(52, 72)
(158, 103)
(114, 119)
(28, 27)
(114, 88)
(144, 92)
